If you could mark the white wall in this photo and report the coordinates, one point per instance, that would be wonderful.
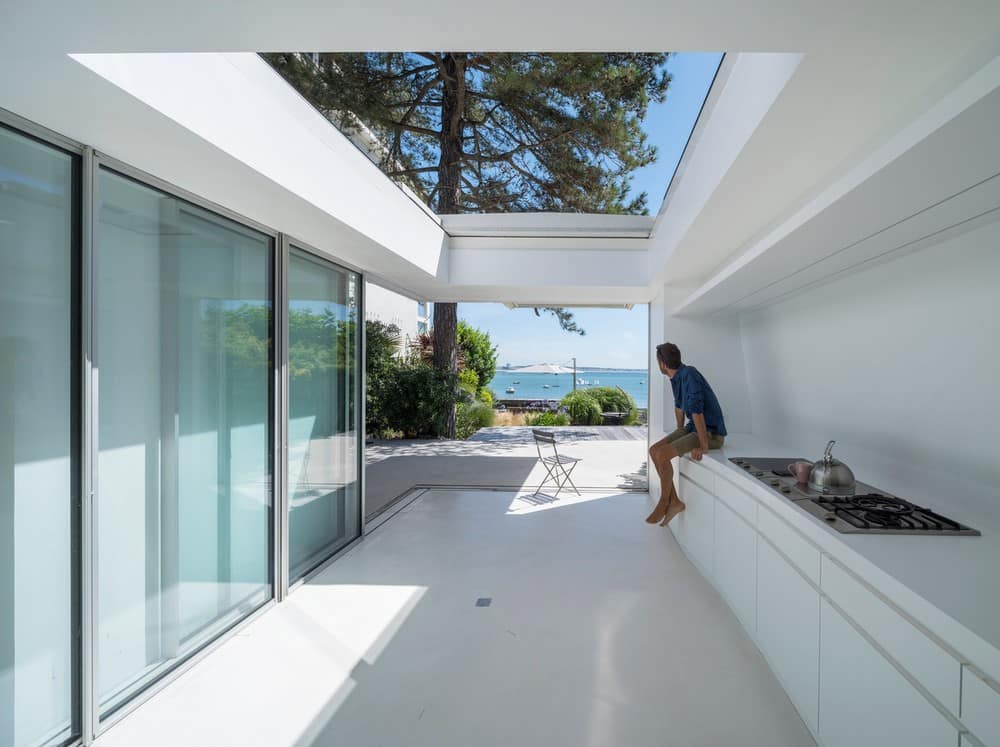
(899, 363)
(391, 307)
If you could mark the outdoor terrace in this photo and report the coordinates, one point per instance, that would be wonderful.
(598, 632)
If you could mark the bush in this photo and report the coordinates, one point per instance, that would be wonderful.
(468, 381)
(471, 416)
(414, 397)
(546, 419)
(487, 397)
(583, 409)
(614, 399)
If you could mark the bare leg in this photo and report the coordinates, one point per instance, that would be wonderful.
(669, 504)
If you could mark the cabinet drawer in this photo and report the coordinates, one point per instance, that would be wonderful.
(864, 700)
(791, 544)
(700, 474)
(788, 630)
(933, 667)
(981, 707)
(695, 526)
(735, 565)
(738, 500)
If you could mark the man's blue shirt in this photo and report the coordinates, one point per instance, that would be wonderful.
(693, 395)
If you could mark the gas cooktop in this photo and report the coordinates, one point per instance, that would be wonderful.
(862, 510)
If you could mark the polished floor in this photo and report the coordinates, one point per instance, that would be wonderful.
(486, 618)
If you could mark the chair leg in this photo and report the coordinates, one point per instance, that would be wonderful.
(570, 479)
(549, 474)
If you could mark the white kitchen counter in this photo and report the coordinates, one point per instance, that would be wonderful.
(949, 584)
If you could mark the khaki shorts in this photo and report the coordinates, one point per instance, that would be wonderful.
(684, 442)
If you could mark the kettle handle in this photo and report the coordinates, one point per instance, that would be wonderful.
(828, 454)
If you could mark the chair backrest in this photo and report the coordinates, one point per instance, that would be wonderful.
(544, 437)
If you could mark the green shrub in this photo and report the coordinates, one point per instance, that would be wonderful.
(471, 416)
(468, 381)
(486, 396)
(546, 419)
(583, 408)
(414, 397)
(615, 399)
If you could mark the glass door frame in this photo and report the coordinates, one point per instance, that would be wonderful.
(93, 723)
(78, 330)
(282, 556)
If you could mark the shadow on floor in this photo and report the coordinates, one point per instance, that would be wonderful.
(390, 478)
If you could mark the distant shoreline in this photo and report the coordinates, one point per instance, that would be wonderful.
(581, 369)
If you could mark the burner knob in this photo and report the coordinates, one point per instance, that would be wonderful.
(758, 473)
(785, 489)
(775, 483)
(746, 467)
(830, 518)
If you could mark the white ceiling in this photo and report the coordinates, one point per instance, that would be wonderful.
(867, 69)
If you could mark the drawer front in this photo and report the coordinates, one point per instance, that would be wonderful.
(700, 474)
(981, 707)
(792, 544)
(696, 524)
(736, 565)
(864, 700)
(918, 654)
(738, 500)
(788, 630)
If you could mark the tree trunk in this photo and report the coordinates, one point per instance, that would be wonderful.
(449, 200)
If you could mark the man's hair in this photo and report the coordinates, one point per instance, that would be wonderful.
(670, 355)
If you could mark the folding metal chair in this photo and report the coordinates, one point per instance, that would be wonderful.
(557, 466)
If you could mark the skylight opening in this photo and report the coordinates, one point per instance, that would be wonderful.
(514, 132)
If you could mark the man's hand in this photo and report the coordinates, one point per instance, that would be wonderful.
(697, 454)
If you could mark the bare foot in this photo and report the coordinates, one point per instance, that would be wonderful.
(675, 507)
(659, 512)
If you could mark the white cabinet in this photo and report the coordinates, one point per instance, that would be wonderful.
(926, 661)
(865, 700)
(696, 524)
(735, 564)
(788, 629)
(981, 707)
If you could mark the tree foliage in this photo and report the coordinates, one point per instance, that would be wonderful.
(478, 353)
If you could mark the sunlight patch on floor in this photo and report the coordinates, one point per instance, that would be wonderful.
(531, 503)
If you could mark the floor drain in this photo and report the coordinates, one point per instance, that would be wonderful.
(484, 601)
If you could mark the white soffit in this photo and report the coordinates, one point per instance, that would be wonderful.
(548, 225)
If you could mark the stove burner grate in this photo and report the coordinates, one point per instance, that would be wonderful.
(877, 511)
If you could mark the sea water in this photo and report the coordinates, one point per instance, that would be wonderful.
(556, 386)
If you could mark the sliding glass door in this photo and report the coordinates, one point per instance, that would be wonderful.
(39, 623)
(324, 495)
(183, 350)
(140, 402)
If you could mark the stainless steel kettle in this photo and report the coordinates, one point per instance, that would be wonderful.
(830, 475)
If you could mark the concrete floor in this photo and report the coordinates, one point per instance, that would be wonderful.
(599, 632)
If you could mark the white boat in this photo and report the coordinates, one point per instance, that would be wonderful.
(545, 386)
(509, 390)
(517, 382)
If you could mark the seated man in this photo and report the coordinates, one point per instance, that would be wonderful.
(705, 429)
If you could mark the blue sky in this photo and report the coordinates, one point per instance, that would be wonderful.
(615, 337)
(669, 124)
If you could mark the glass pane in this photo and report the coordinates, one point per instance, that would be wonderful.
(323, 488)
(37, 460)
(184, 357)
